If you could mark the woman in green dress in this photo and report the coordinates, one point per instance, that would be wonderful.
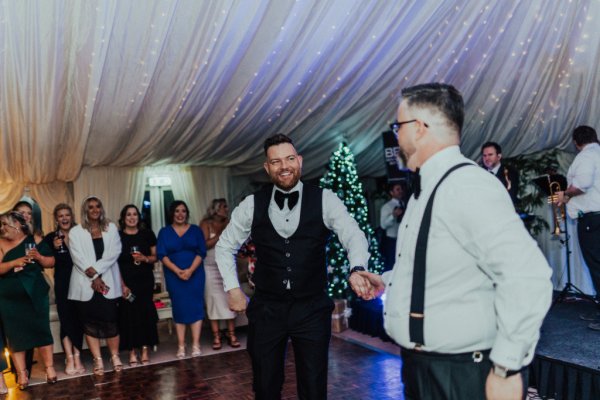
(24, 304)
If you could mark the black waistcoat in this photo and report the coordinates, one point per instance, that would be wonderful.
(299, 259)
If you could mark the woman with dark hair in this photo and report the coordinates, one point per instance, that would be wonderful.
(217, 308)
(138, 316)
(24, 303)
(71, 331)
(26, 210)
(181, 249)
(96, 281)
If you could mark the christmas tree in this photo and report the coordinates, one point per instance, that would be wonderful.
(342, 179)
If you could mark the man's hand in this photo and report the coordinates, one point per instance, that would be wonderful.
(366, 285)
(559, 198)
(498, 388)
(237, 300)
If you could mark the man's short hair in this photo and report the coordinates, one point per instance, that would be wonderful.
(584, 134)
(391, 185)
(492, 144)
(275, 140)
(439, 97)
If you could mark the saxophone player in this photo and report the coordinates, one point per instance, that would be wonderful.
(491, 156)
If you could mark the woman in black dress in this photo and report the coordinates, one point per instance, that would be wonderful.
(138, 316)
(71, 331)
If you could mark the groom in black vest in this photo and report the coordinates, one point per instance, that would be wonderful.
(290, 224)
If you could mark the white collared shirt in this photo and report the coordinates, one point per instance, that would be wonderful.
(487, 283)
(584, 174)
(387, 220)
(285, 222)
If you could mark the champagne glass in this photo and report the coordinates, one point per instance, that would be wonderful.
(135, 250)
(28, 248)
(61, 236)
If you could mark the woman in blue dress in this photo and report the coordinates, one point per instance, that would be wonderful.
(181, 248)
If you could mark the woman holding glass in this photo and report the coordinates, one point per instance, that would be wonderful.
(181, 248)
(26, 210)
(95, 281)
(138, 316)
(24, 303)
(71, 331)
(217, 307)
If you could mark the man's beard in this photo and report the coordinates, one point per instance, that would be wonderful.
(286, 187)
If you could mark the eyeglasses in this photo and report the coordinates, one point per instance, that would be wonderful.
(395, 126)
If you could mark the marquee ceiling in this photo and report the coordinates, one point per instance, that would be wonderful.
(142, 82)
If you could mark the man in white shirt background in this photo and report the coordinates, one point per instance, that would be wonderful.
(582, 198)
(290, 223)
(390, 217)
(467, 302)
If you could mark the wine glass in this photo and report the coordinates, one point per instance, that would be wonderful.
(135, 250)
(61, 236)
(28, 248)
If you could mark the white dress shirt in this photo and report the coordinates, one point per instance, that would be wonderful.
(487, 283)
(82, 251)
(285, 222)
(387, 220)
(584, 174)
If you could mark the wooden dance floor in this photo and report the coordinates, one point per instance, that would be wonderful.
(355, 372)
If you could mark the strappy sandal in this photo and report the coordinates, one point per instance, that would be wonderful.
(51, 379)
(22, 379)
(196, 352)
(180, 352)
(70, 370)
(217, 345)
(98, 366)
(133, 360)
(145, 355)
(116, 362)
(232, 339)
(81, 368)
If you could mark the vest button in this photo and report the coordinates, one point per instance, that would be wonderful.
(289, 269)
(287, 241)
(287, 255)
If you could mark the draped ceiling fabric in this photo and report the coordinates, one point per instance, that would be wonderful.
(132, 84)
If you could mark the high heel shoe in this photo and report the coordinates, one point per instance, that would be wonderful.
(133, 360)
(180, 352)
(145, 355)
(217, 341)
(49, 378)
(98, 366)
(196, 352)
(116, 362)
(232, 339)
(81, 368)
(70, 370)
(22, 379)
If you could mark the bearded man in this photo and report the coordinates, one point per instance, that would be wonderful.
(290, 224)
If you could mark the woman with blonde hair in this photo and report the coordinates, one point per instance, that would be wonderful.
(217, 308)
(95, 281)
(71, 331)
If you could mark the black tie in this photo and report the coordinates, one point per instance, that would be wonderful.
(416, 183)
(292, 198)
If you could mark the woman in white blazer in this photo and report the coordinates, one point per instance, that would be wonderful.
(95, 281)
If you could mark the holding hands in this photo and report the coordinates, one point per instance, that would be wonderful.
(366, 285)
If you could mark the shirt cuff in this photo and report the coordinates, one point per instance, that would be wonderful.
(508, 354)
(230, 283)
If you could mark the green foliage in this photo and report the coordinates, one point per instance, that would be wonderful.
(531, 197)
(342, 179)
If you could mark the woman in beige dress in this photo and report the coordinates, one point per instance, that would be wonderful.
(217, 308)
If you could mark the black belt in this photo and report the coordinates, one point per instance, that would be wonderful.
(589, 214)
(471, 356)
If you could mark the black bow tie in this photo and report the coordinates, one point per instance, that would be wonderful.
(416, 183)
(292, 198)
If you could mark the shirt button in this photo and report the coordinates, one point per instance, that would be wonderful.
(287, 255)
(390, 284)
(287, 220)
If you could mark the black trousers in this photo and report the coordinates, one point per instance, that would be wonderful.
(389, 252)
(588, 232)
(307, 322)
(429, 376)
